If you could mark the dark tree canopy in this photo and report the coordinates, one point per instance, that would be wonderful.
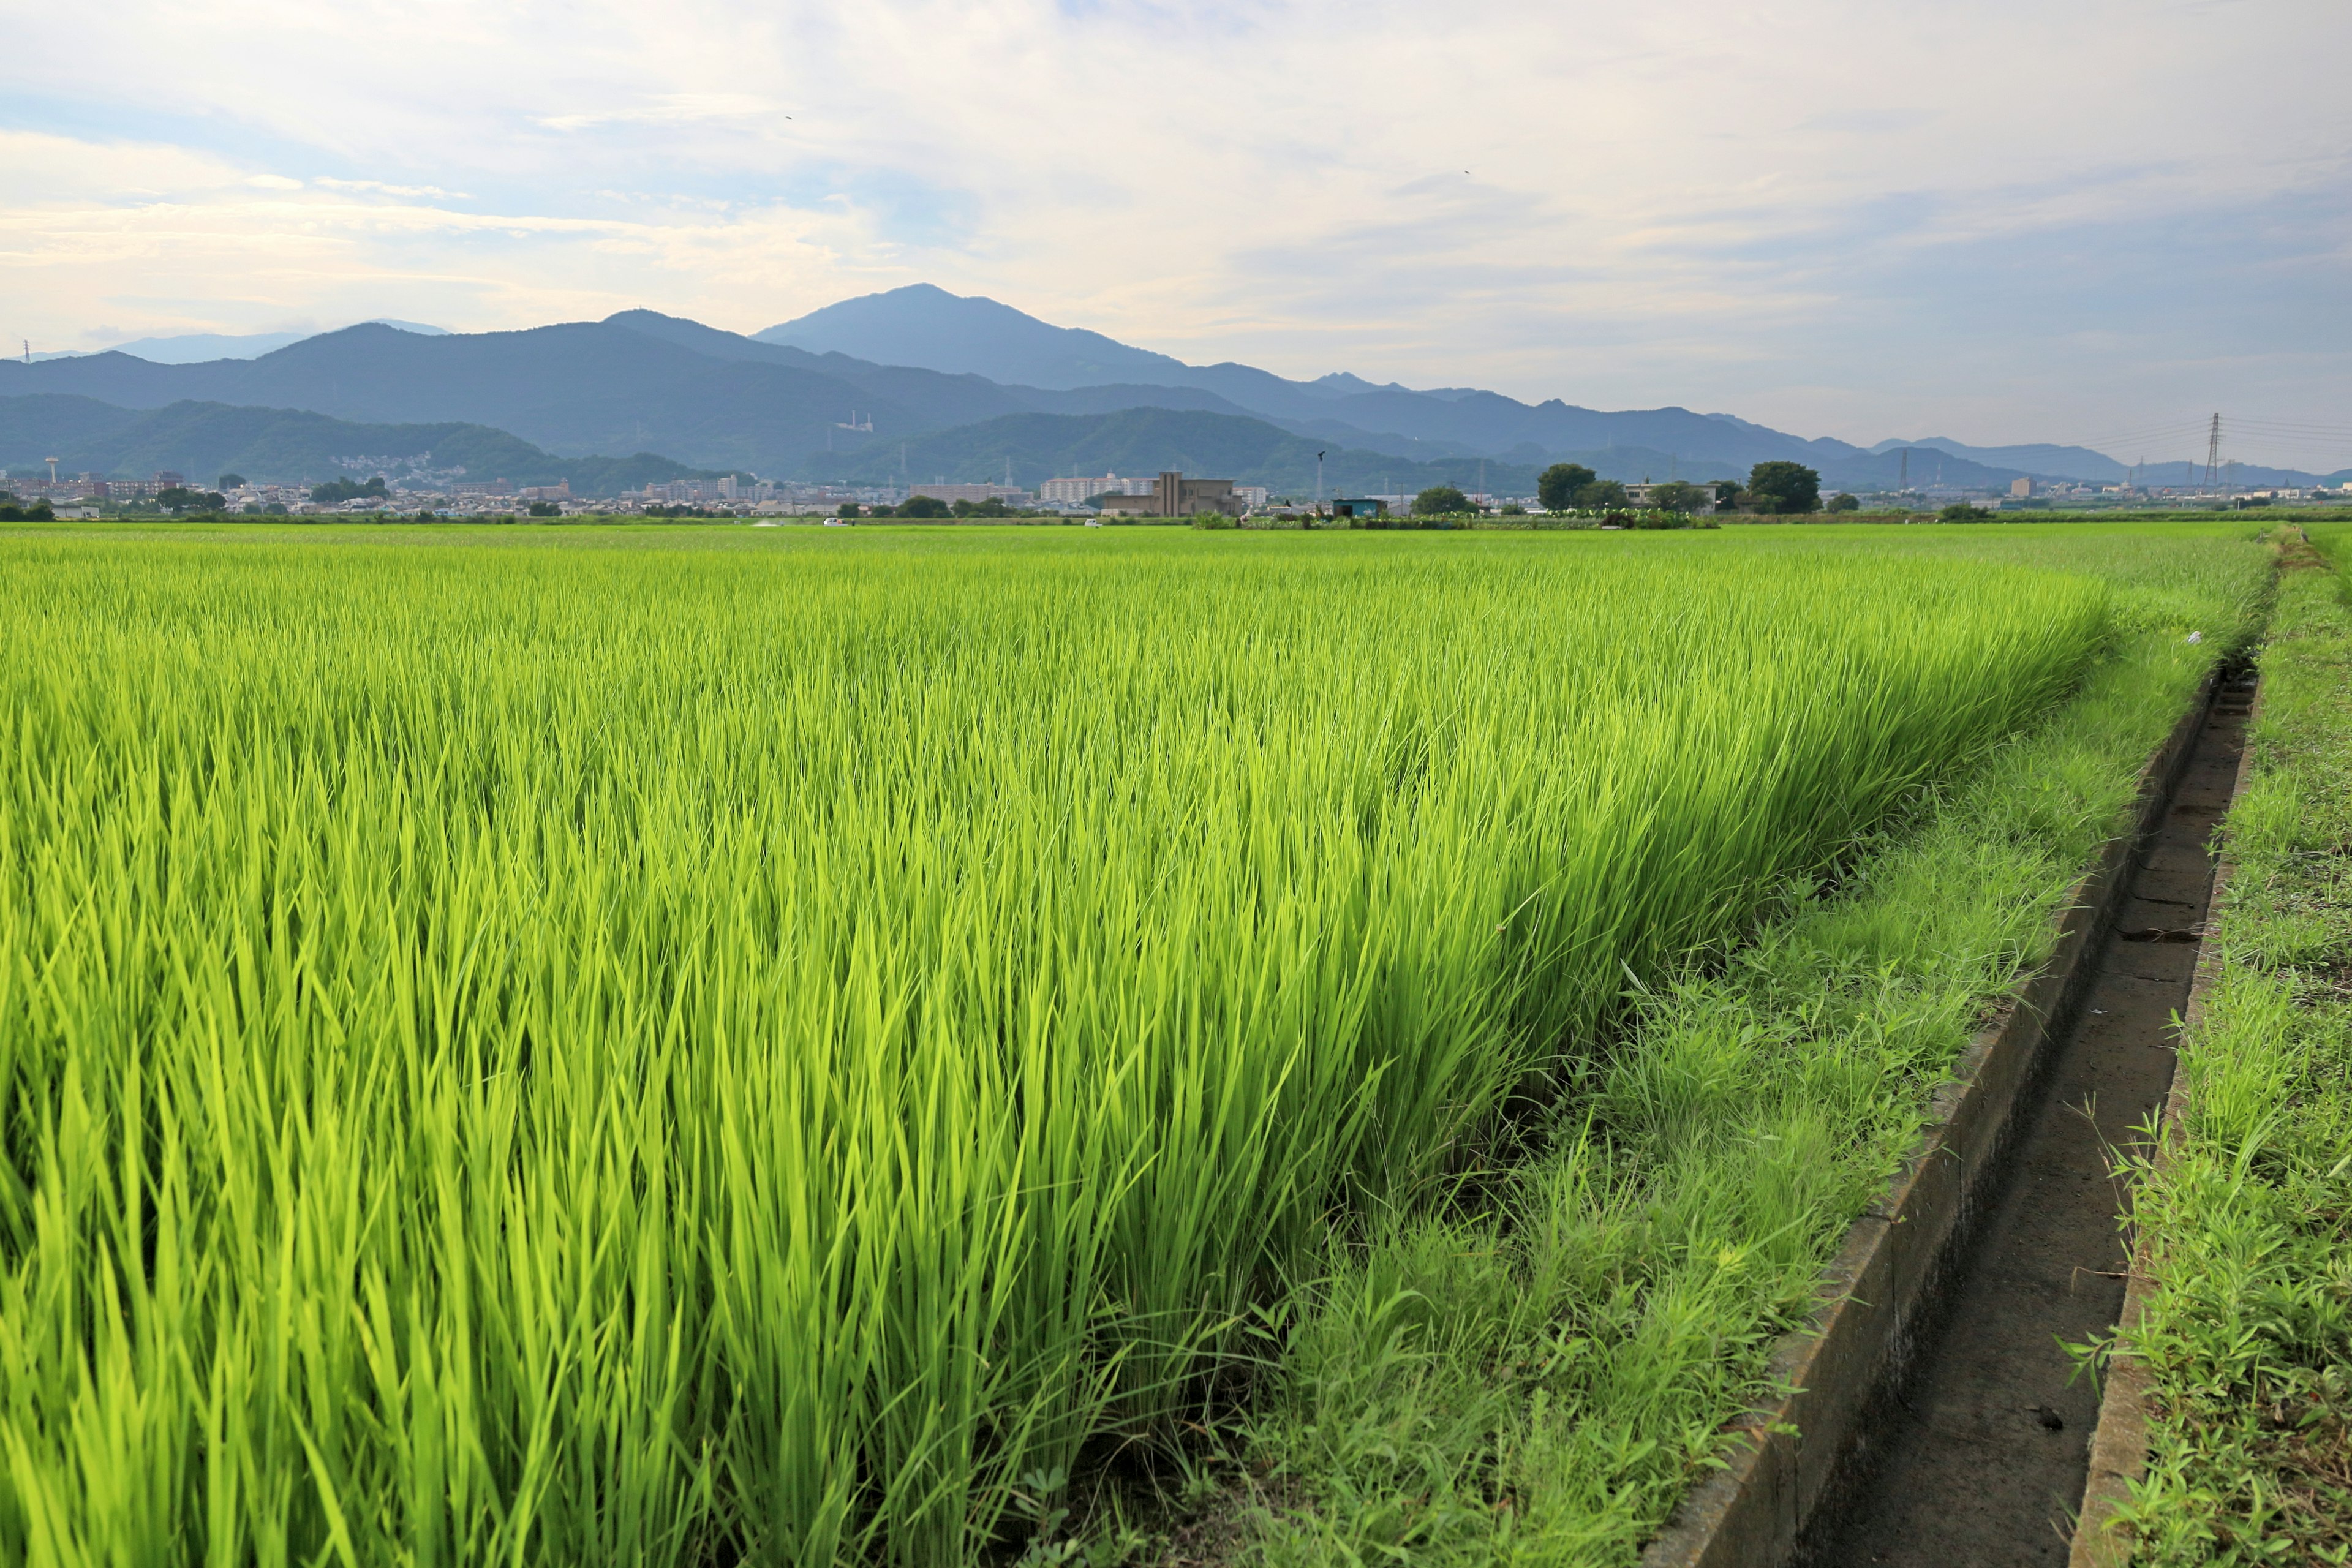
(1961, 511)
(335, 491)
(1784, 488)
(924, 506)
(231, 481)
(1601, 493)
(1557, 486)
(1842, 501)
(1680, 495)
(848, 508)
(1438, 501)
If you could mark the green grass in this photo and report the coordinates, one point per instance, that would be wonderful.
(2247, 1336)
(1539, 1380)
(666, 1045)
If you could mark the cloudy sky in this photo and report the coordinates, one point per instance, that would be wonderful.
(1999, 220)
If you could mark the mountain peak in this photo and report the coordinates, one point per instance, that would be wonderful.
(925, 326)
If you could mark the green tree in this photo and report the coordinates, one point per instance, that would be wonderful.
(848, 508)
(925, 506)
(1726, 491)
(545, 508)
(178, 499)
(1679, 495)
(334, 492)
(1439, 500)
(1961, 511)
(1783, 488)
(1842, 501)
(231, 481)
(1557, 486)
(1601, 493)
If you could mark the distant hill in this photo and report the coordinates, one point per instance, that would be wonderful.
(926, 326)
(639, 382)
(873, 373)
(930, 328)
(1143, 441)
(194, 348)
(2074, 462)
(281, 446)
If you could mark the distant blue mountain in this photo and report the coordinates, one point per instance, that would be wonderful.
(921, 325)
(927, 327)
(279, 446)
(2039, 459)
(836, 389)
(194, 348)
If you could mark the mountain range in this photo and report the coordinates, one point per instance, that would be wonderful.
(918, 382)
(203, 440)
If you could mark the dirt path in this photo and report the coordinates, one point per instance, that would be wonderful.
(1992, 1444)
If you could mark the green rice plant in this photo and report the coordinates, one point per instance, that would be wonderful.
(564, 1046)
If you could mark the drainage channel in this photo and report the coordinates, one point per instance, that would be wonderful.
(1989, 1444)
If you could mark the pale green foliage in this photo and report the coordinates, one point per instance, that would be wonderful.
(2249, 1336)
(586, 1049)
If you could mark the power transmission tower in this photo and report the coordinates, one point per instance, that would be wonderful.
(1905, 482)
(2212, 454)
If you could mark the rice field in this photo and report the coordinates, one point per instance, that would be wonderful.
(636, 1048)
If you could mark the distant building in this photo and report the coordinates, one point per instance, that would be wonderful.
(1173, 495)
(2020, 488)
(1073, 491)
(1359, 506)
(1084, 487)
(974, 493)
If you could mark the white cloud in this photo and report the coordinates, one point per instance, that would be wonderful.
(670, 108)
(379, 188)
(1791, 211)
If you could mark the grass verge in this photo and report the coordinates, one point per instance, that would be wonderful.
(2248, 1333)
(1537, 1377)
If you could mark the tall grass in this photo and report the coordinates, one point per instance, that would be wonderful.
(641, 1055)
(2248, 1334)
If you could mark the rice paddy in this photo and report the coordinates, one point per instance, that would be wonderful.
(662, 1048)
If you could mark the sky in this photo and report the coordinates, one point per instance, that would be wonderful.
(1997, 221)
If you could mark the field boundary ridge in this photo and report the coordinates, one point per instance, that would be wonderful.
(1876, 1299)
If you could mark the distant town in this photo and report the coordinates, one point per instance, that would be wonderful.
(91, 495)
